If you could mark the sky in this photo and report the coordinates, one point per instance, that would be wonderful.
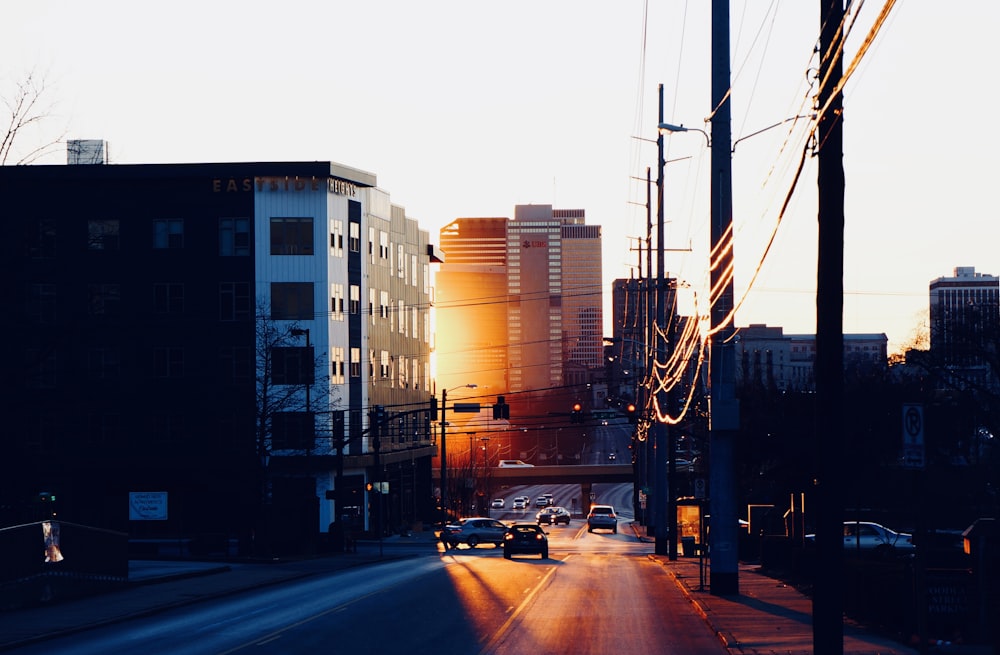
(464, 108)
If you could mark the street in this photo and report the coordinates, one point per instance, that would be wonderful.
(597, 593)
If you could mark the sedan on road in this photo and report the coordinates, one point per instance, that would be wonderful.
(525, 538)
(553, 516)
(472, 532)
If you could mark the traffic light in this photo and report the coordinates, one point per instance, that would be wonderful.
(501, 410)
(434, 408)
(576, 416)
(632, 414)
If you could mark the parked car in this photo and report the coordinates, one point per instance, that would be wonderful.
(602, 517)
(553, 515)
(472, 532)
(873, 539)
(521, 502)
(525, 538)
(497, 503)
(514, 464)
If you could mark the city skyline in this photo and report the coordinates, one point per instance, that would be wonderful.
(555, 104)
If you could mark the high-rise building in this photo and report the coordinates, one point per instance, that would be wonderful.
(209, 331)
(519, 300)
(964, 316)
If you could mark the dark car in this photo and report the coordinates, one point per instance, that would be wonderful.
(525, 538)
(473, 531)
(553, 516)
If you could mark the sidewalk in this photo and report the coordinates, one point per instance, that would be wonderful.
(766, 617)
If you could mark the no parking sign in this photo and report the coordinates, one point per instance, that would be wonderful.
(913, 436)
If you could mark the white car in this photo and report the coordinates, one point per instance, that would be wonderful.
(873, 539)
(497, 503)
(521, 502)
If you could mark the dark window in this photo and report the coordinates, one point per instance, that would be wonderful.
(40, 366)
(105, 364)
(291, 236)
(41, 308)
(168, 362)
(168, 233)
(102, 234)
(104, 429)
(104, 299)
(234, 301)
(166, 428)
(292, 365)
(293, 430)
(41, 240)
(168, 298)
(292, 301)
(235, 364)
(234, 237)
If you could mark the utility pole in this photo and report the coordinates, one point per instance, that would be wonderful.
(662, 503)
(828, 601)
(724, 407)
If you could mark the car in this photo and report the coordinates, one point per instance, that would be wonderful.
(525, 538)
(612, 457)
(553, 515)
(519, 503)
(602, 517)
(497, 503)
(514, 464)
(472, 532)
(875, 539)
(543, 501)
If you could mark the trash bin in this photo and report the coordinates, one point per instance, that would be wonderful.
(687, 546)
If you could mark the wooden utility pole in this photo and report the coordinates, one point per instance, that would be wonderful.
(828, 599)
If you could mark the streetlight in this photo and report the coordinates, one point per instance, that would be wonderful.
(444, 448)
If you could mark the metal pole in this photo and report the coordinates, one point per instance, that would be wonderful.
(663, 536)
(444, 457)
(724, 407)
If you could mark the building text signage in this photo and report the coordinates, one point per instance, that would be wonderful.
(274, 184)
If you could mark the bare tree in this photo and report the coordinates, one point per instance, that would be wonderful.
(29, 106)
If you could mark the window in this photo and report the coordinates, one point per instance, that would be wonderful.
(291, 236)
(355, 362)
(371, 244)
(41, 309)
(166, 428)
(354, 240)
(234, 237)
(168, 298)
(105, 364)
(400, 262)
(293, 430)
(234, 301)
(168, 362)
(168, 233)
(102, 234)
(104, 299)
(383, 307)
(337, 365)
(383, 245)
(402, 317)
(337, 238)
(40, 366)
(337, 302)
(292, 365)
(292, 301)
(371, 304)
(355, 306)
(42, 239)
(384, 365)
(235, 364)
(413, 270)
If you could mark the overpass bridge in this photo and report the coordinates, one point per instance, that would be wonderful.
(584, 475)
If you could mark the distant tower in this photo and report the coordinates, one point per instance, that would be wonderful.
(964, 316)
(86, 151)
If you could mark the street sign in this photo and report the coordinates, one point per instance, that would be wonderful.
(467, 408)
(913, 436)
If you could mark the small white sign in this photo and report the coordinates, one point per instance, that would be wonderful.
(147, 506)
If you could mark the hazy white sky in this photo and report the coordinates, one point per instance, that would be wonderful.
(465, 108)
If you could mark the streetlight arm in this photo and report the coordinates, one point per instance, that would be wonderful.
(670, 127)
